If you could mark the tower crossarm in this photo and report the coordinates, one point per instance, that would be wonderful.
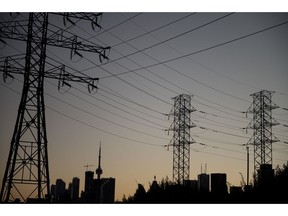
(11, 66)
(17, 30)
(94, 18)
(59, 38)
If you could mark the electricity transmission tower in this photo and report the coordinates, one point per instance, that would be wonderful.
(181, 139)
(261, 124)
(27, 174)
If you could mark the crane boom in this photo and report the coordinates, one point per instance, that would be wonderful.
(87, 165)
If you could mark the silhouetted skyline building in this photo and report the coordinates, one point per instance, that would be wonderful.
(75, 189)
(203, 183)
(53, 192)
(219, 183)
(89, 185)
(60, 189)
(99, 190)
(107, 190)
(69, 191)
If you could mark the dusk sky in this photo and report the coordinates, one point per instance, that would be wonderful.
(219, 58)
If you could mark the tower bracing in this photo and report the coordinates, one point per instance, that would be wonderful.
(26, 175)
(181, 140)
(262, 123)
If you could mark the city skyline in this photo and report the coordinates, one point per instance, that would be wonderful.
(219, 58)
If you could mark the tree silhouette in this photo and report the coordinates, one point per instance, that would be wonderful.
(276, 191)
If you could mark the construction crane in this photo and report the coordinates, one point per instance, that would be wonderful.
(87, 165)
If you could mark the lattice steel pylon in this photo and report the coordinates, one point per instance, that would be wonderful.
(181, 140)
(261, 124)
(27, 172)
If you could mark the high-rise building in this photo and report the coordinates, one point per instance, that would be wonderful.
(89, 176)
(53, 192)
(69, 191)
(219, 183)
(203, 183)
(75, 189)
(107, 190)
(60, 189)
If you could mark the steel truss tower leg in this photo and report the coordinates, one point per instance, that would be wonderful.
(27, 164)
(181, 139)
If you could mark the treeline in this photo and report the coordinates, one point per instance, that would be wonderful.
(276, 191)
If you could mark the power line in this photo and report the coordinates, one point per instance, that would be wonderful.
(148, 120)
(130, 101)
(218, 140)
(99, 117)
(153, 30)
(136, 87)
(205, 49)
(166, 79)
(221, 148)
(220, 116)
(219, 131)
(116, 108)
(163, 78)
(198, 63)
(133, 102)
(104, 119)
(112, 27)
(219, 124)
(125, 138)
(118, 95)
(91, 126)
(220, 155)
(169, 39)
(176, 71)
(202, 50)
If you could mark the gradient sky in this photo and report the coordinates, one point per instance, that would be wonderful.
(127, 113)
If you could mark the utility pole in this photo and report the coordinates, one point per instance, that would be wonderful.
(262, 123)
(181, 140)
(27, 173)
(247, 148)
